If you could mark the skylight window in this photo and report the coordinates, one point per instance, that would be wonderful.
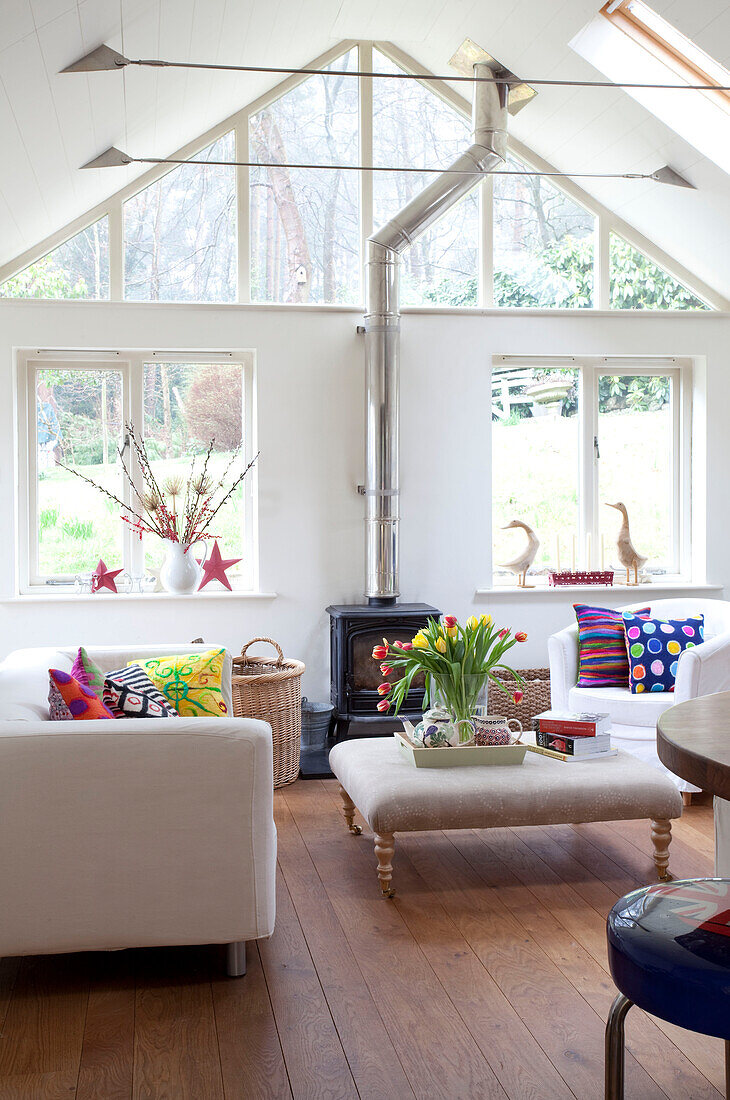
(665, 42)
(630, 44)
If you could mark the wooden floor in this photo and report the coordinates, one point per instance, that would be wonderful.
(485, 977)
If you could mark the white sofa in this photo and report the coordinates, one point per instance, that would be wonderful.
(702, 670)
(132, 832)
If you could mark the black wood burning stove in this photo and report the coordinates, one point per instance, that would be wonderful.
(354, 675)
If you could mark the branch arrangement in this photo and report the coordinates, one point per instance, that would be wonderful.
(177, 509)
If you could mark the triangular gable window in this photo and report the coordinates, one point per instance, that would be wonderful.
(78, 268)
(639, 283)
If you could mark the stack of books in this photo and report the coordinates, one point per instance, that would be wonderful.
(566, 736)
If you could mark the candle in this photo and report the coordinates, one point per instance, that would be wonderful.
(557, 551)
(603, 553)
(572, 557)
(588, 550)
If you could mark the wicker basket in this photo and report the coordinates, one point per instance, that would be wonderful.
(272, 690)
(536, 696)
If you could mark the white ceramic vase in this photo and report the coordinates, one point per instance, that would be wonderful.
(181, 574)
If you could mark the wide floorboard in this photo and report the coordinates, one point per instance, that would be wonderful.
(485, 977)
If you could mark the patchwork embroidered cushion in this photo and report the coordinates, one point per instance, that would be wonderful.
(129, 693)
(602, 660)
(192, 682)
(57, 710)
(655, 646)
(88, 672)
(80, 699)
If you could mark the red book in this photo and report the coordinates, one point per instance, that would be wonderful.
(572, 724)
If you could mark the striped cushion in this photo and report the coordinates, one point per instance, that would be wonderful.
(602, 657)
(129, 693)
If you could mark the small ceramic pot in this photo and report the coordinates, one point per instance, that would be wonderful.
(492, 729)
(437, 729)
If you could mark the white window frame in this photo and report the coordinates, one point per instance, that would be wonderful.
(606, 220)
(590, 369)
(130, 363)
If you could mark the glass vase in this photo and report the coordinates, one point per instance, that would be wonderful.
(462, 698)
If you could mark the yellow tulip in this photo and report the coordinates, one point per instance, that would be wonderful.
(451, 631)
(472, 622)
(420, 641)
(485, 620)
(441, 645)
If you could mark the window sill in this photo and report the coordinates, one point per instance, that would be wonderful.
(123, 597)
(510, 591)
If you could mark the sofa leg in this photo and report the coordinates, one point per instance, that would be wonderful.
(236, 959)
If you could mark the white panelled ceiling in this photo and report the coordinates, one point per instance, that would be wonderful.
(51, 124)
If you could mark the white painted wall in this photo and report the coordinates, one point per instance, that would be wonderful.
(310, 427)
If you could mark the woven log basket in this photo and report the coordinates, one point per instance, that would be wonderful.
(536, 699)
(271, 689)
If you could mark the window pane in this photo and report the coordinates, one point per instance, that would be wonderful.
(79, 423)
(543, 244)
(305, 224)
(635, 438)
(534, 445)
(180, 241)
(186, 405)
(414, 128)
(638, 283)
(77, 269)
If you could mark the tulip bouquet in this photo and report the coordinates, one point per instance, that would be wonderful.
(458, 663)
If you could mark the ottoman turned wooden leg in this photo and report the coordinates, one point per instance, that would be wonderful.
(348, 809)
(661, 835)
(384, 848)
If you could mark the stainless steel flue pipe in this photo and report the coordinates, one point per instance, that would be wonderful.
(382, 327)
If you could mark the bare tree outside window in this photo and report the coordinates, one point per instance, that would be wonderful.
(180, 241)
(305, 224)
(543, 244)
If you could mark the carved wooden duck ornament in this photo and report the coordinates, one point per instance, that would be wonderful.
(522, 563)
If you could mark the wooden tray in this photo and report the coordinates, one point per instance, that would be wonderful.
(478, 755)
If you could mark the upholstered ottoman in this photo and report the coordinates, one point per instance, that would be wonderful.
(394, 797)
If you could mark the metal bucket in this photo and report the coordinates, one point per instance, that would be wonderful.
(316, 718)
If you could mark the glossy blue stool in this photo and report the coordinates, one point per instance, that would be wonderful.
(669, 953)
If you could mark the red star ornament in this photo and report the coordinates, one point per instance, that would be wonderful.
(104, 578)
(214, 569)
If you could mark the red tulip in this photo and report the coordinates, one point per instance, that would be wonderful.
(384, 689)
(520, 636)
(383, 705)
(398, 645)
(406, 645)
(503, 633)
(385, 670)
(380, 652)
(518, 696)
(450, 621)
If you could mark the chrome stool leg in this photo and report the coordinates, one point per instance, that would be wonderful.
(615, 1048)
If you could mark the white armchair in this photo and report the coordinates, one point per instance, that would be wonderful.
(133, 832)
(702, 670)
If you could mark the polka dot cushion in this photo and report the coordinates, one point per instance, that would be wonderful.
(654, 647)
(82, 702)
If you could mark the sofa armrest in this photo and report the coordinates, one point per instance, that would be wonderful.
(704, 669)
(135, 832)
(563, 657)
